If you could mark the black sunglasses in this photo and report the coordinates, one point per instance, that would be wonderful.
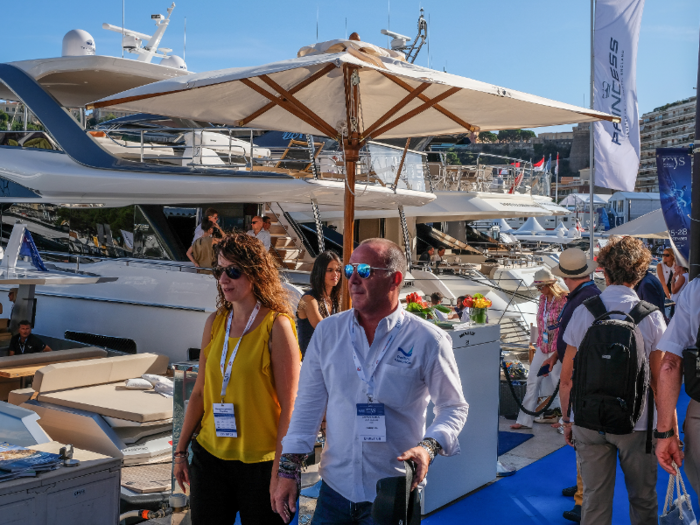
(231, 272)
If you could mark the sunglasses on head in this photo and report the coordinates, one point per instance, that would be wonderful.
(363, 270)
(231, 272)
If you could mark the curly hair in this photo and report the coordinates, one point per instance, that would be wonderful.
(625, 260)
(318, 279)
(258, 265)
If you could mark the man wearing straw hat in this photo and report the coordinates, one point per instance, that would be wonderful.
(575, 269)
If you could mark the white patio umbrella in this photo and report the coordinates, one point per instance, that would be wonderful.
(351, 91)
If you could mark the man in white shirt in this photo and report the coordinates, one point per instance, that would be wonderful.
(375, 358)
(259, 232)
(624, 261)
(681, 334)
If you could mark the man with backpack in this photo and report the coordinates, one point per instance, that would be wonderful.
(682, 335)
(609, 370)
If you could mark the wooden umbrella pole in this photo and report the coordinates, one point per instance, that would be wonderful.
(352, 156)
(403, 158)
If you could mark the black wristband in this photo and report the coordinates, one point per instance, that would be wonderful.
(664, 435)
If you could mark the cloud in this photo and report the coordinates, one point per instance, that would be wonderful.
(685, 34)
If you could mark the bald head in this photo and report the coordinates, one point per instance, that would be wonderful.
(392, 254)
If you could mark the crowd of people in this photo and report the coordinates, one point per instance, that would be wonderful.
(372, 395)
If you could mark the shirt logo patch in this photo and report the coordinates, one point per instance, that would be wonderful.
(404, 357)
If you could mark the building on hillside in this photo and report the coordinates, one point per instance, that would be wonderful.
(569, 185)
(579, 157)
(669, 126)
(562, 139)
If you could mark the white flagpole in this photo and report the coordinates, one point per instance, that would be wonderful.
(591, 178)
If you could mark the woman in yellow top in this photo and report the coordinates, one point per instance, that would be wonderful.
(244, 393)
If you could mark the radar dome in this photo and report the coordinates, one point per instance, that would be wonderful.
(174, 61)
(78, 43)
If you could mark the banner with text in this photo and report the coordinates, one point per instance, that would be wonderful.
(673, 169)
(615, 92)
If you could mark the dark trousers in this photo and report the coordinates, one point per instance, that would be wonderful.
(334, 509)
(220, 489)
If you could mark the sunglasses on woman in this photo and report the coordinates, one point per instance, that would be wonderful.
(363, 270)
(231, 272)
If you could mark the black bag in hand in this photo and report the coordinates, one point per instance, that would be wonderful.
(395, 503)
(691, 369)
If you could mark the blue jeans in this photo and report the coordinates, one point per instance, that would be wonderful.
(334, 509)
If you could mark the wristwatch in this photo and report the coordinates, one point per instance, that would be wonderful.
(664, 435)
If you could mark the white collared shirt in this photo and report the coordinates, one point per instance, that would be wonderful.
(417, 367)
(683, 328)
(622, 298)
(263, 236)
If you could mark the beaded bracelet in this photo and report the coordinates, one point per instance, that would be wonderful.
(291, 465)
(431, 446)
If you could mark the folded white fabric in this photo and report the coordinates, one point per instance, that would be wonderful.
(163, 385)
(138, 384)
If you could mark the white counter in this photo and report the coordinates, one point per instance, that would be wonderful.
(477, 351)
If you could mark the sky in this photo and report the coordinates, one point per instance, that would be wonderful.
(538, 46)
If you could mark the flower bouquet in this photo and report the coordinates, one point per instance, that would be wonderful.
(417, 306)
(478, 306)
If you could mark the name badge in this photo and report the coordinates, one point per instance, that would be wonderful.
(225, 420)
(545, 337)
(371, 422)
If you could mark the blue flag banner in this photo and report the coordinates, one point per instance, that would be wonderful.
(603, 218)
(673, 169)
(29, 249)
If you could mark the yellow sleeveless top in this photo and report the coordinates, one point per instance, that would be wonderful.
(251, 390)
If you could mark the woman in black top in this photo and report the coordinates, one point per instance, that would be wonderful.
(322, 300)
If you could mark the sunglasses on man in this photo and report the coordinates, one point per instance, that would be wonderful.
(362, 269)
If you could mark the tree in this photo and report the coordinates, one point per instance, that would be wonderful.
(526, 134)
(487, 137)
(452, 158)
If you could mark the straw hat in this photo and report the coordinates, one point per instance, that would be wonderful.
(574, 264)
(544, 276)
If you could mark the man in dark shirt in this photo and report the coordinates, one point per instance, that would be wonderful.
(25, 342)
(576, 271)
(427, 254)
(650, 289)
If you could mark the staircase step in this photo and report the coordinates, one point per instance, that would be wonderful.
(277, 229)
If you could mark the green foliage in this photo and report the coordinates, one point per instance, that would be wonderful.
(515, 135)
(4, 117)
(452, 158)
(487, 136)
(18, 126)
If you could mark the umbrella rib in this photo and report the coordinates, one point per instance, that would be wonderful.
(301, 85)
(290, 99)
(398, 107)
(283, 104)
(437, 107)
(417, 111)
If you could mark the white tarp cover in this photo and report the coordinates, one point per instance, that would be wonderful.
(221, 97)
(617, 25)
(530, 226)
(561, 229)
(578, 198)
(504, 226)
(649, 226)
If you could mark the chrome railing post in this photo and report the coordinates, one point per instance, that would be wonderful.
(141, 145)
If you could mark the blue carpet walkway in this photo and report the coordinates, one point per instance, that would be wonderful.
(533, 494)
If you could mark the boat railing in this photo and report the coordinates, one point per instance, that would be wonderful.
(235, 148)
(513, 175)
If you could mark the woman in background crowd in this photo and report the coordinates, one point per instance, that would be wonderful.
(552, 302)
(244, 394)
(679, 281)
(322, 300)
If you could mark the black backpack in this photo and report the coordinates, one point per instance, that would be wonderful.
(611, 371)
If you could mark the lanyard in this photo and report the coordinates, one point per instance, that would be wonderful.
(358, 366)
(22, 347)
(227, 374)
